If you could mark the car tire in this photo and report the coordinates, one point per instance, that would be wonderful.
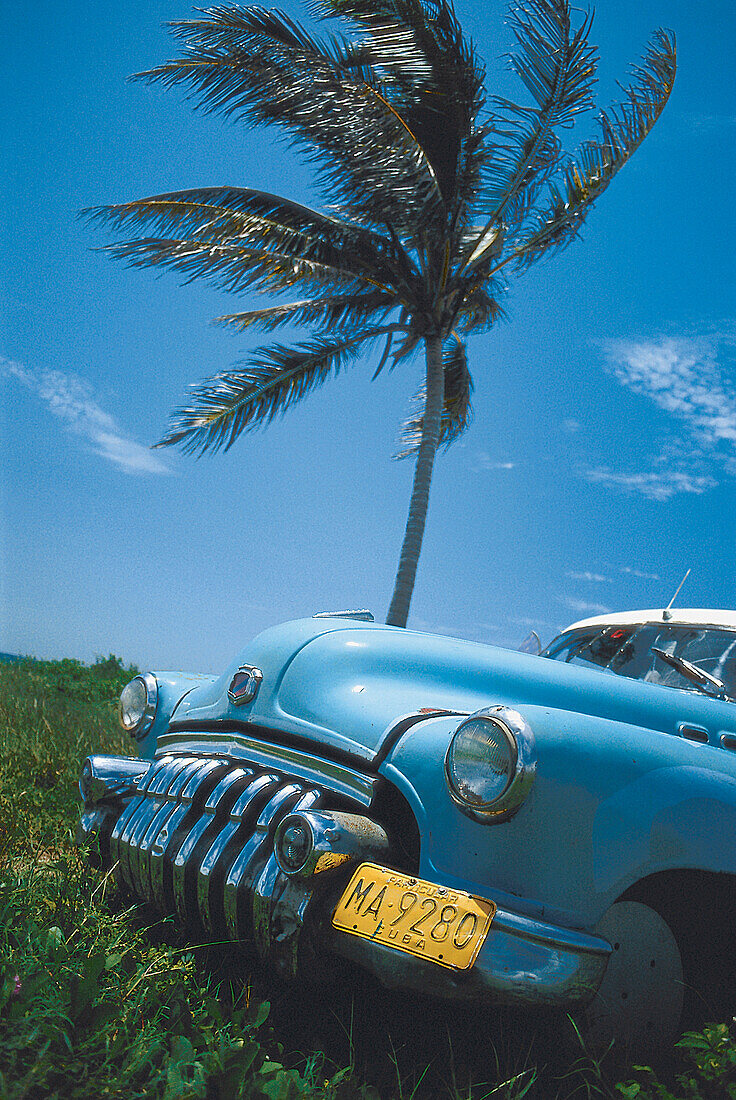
(639, 1004)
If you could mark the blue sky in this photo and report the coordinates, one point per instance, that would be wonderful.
(601, 463)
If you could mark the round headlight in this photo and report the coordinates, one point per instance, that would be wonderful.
(490, 763)
(138, 701)
(293, 844)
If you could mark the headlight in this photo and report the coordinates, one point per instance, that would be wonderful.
(138, 701)
(490, 763)
(293, 843)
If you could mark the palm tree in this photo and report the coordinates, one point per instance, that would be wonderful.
(435, 200)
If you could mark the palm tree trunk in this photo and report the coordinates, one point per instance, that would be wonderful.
(398, 612)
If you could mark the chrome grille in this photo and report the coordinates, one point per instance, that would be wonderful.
(196, 839)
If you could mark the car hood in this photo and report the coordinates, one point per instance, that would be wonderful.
(345, 684)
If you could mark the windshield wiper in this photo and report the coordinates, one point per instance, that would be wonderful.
(698, 676)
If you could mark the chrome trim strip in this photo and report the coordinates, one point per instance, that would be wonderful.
(237, 776)
(160, 848)
(238, 820)
(260, 783)
(195, 833)
(161, 841)
(143, 819)
(120, 837)
(362, 616)
(155, 799)
(263, 892)
(181, 821)
(157, 833)
(187, 795)
(207, 866)
(156, 795)
(222, 840)
(223, 787)
(303, 765)
(242, 869)
(266, 825)
(191, 765)
(164, 807)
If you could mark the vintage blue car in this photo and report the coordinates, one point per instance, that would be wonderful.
(554, 830)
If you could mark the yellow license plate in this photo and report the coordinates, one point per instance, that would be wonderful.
(434, 922)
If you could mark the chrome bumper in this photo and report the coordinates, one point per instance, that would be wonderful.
(522, 962)
(195, 836)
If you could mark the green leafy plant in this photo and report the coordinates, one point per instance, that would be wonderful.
(710, 1073)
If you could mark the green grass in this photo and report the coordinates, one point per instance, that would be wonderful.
(101, 999)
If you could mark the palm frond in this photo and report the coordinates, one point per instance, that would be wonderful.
(388, 49)
(431, 75)
(480, 308)
(558, 68)
(623, 128)
(235, 267)
(457, 410)
(274, 380)
(327, 312)
(417, 43)
(261, 67)
(233, 216)
(473, 162)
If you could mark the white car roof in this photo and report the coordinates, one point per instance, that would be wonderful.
(698, 616)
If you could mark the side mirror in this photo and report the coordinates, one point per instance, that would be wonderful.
(531, 644)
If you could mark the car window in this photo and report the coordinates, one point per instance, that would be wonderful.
(629, 651)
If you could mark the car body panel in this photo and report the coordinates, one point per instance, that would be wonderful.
(347, 685)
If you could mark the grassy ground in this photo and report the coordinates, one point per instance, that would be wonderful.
(98, 999)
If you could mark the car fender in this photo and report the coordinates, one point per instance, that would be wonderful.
(611, 803)
(172, 687)
(672, 817)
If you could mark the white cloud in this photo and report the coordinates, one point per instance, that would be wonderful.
(596, 578)
(582, 607)
(571, 425)
(654, 484)
(483, 461)
(683, 377)
(71, 400)
(638, 573)
(132, 457)
(533, 624)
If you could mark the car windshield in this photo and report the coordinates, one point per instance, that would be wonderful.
(629, 650)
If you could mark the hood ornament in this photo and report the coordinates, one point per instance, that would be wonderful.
(244, 685)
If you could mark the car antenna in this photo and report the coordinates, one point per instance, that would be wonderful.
(667, 614)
